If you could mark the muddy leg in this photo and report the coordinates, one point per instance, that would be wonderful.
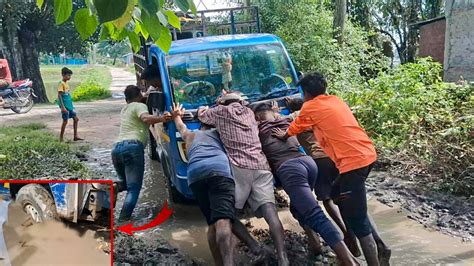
(270, 214)
(349, 237)
(370, 250)
(76, 122)
(313, 241)
(211, 239)
(224, 241)
(243, 234)
(63, 128)
(384, 252)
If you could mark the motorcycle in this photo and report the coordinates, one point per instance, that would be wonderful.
(18, 96)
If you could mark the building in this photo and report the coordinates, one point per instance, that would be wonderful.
(450, 40)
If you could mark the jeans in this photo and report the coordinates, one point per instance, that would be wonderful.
(298, 176)
(128, 157)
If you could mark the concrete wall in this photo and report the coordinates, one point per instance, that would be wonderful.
(459, 52)
(432, 37)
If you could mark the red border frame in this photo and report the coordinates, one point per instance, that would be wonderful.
(88, 181)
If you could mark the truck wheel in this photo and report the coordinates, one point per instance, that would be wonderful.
(37, 202)
(173, 194)
(153, 153)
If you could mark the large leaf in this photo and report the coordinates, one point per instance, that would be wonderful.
(85, 23)
(127, 15)
(39, 3)
(164, 42)
(151, 24)
(192, 6)
(134, 41)
(173, 20)
(109, 10)
(62, 10)
(163, 19)
(149, 6)
(104, 33)
(182, 4)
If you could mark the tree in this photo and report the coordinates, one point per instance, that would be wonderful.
(339, 20)
(113, 49)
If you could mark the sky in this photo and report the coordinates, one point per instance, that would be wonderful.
(211, 4)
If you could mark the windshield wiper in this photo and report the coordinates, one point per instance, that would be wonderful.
(276, 93)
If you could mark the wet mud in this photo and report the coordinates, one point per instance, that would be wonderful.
(51, 242)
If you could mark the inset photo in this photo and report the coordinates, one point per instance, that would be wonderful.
(55, 222)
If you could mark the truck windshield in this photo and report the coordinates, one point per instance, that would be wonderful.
(259, 72)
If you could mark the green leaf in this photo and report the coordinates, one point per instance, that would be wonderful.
(104, 33)
(173, 20)
(182, 4)
(192, 6)
(85, 24)
(149, 6)
(39, 3)
(134, 41)
(62, 10)
(162, 18)
(151, 24)
(109, 10)
(164, 42)
(127, 15)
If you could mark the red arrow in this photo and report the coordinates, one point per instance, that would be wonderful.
(164, 214)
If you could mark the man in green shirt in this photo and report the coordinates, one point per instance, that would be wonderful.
(128, 154)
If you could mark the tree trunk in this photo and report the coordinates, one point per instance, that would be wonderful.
(31, 68)
(412, 36)
(115, 58)
(339, 20)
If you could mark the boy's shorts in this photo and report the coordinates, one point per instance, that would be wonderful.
(254, 187)
(350, 195)
(215, 197)
(70, 114)
(327, 174)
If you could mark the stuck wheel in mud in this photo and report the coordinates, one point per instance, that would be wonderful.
(37, 202)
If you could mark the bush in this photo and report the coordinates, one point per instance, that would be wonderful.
(30, 152)
(90, 90)
(415, 119)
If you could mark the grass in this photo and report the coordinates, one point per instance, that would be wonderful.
(31, 152)
(52, 75)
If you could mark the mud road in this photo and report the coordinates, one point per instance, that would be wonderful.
(420, 227)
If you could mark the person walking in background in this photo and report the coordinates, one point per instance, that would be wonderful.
(210, 179)
(65, 104)
(238, 130)
(128, 154)
(349, 147)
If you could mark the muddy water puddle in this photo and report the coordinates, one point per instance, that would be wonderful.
(185, 231)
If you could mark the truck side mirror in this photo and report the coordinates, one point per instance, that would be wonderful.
(156, 103)
(299, 74)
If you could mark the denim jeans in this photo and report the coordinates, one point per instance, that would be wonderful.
(298, 176)
(128, 157)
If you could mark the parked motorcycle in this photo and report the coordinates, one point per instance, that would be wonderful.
(18, 96)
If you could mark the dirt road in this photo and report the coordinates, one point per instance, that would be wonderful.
(182, 239)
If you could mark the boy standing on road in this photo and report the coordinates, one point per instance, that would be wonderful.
(349, 147)
(210, 179)
(238, 130)
(65, 103)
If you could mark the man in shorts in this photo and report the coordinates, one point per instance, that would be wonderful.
(210, 179)
(238, 131)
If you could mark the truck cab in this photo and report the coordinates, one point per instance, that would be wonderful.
(196, 71)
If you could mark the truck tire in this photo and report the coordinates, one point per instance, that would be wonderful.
(37, 202)
(173, 194)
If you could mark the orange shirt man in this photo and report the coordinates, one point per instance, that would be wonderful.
(353, 153)
(5, 73)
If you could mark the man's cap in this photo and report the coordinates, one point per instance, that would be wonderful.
(231, 97)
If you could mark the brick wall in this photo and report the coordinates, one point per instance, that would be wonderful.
(432, 40)
(459, 52)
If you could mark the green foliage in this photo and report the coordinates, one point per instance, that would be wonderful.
(122, 19)
(308, 35)
(90, 90)
(416, 119)
(31, 152)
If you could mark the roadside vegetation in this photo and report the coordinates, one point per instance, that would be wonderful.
(91, 82)
(32, 152)
(422, 127)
